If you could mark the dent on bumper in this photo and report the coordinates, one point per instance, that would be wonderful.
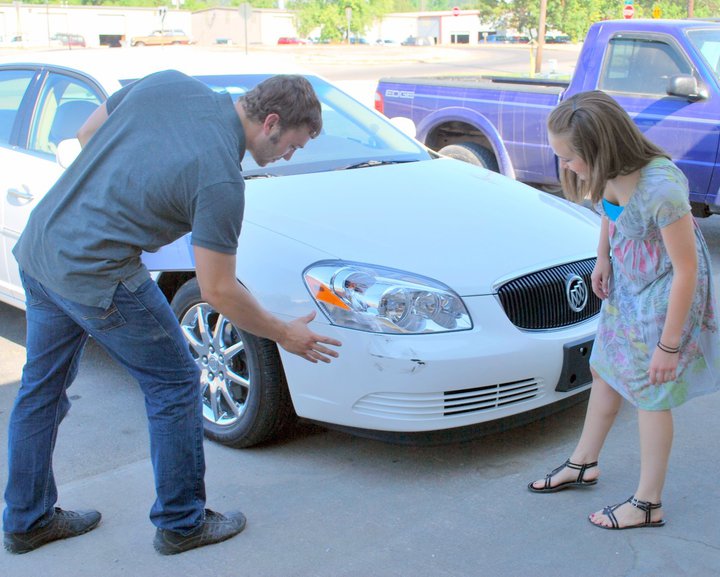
(434, 381)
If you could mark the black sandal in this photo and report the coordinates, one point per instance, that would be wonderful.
(579, 482)
(646, 506)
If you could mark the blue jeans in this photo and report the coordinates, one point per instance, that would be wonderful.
(141, 332)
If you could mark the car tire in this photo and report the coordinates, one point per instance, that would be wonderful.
(472, 153)
(245, 395)
(139, 44)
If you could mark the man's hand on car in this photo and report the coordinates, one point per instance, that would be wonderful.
(300, 340)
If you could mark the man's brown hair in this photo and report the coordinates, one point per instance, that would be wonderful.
(289, 96)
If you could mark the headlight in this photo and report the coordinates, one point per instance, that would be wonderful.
(383, 300)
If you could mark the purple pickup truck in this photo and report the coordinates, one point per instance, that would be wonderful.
(665, 73)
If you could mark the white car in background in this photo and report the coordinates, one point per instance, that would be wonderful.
(461, 297)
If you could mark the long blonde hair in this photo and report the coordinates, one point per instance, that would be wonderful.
(602, 134)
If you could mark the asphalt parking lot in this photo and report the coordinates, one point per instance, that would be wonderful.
(326, 504)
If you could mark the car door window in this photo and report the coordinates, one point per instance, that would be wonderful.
(64, 105)
(13, 84)
(641, 66)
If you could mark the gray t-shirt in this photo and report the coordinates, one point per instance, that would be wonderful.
(164, 163)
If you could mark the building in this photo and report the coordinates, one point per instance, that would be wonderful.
(242, 25)
(442, 27)
(36, 24)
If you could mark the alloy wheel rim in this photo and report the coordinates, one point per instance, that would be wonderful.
(219, 351)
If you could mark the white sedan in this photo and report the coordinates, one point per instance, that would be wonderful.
(461, 297)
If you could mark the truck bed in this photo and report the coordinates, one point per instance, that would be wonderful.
(519, 84)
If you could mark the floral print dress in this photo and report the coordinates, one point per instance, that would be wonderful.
(633, 315)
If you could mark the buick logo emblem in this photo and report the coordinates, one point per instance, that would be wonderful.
(576, 292)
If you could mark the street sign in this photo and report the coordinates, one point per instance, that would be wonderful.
(657, 11)
(628, 11)
(245, 11)
(456, 11)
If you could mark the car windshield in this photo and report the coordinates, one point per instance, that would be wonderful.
(352, 136)
(707, 43)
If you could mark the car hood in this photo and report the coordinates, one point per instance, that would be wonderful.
(456, 223)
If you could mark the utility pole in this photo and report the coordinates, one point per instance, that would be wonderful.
(348, 18)
(245, 11)
(691, 8)
(541, 35)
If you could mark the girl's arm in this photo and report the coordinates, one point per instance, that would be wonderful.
(601, 273)
(679, 240)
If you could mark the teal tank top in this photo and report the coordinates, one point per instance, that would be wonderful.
(613, 211)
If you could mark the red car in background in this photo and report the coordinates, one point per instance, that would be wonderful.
(291, 40)
(69, 39)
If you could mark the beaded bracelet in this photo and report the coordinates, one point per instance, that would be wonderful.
(667, 349)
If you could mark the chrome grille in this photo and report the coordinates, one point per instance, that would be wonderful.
(423, 406)
(538, 301)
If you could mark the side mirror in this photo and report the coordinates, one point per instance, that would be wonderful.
(686, 86)
(405, 125)
(67, 151)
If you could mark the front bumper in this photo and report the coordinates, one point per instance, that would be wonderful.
(431, 382)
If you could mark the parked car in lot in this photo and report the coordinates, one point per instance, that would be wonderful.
(500, 38)
(161, 38)
(69, 40)
(291, 40)
(557, 39)
(664, 73)
(418, 41)
(461, 296)
(16, 41)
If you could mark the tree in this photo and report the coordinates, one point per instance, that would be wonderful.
(574, 17)
(491, 11)
(329, 16)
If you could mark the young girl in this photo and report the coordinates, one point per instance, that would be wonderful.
(657, 342)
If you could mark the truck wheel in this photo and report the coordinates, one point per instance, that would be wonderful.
(700, 210)
(244, 393)
(472, 153)
(554, 189)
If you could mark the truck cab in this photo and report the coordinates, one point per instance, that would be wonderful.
(666, 75)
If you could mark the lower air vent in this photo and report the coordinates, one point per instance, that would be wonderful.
(423, 406)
